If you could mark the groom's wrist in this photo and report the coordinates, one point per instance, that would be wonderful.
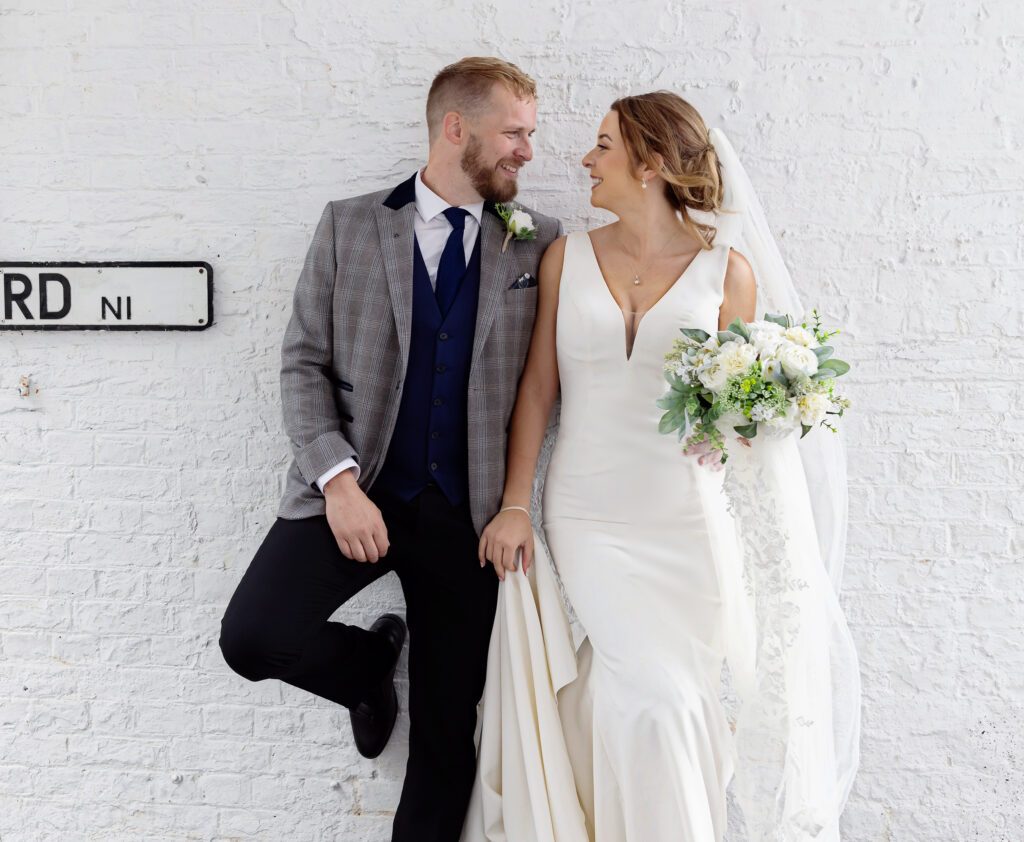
(342, 483)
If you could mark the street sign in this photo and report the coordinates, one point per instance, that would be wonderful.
(106, 296)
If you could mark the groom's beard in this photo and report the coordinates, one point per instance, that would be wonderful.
(485, 180)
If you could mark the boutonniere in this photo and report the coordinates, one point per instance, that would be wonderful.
(518, 224)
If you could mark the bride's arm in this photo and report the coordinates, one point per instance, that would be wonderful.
(538, 388)
(739, 293)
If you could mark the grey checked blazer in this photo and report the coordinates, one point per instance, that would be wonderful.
(346, 346)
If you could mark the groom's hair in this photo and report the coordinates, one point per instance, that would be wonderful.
(466, 87)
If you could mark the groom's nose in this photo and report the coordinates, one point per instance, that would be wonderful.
(525, 150)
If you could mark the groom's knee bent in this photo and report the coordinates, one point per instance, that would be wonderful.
(246, 649)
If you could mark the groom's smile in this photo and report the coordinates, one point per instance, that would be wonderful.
(498, 144)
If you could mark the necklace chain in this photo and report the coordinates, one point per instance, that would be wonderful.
(636, 275)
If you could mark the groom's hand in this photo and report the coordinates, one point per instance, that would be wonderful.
(354, 519)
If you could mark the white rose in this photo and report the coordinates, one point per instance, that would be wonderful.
(765, 336)
(764, 324)
(812, 408)
(520, 221)
(800, 336)
(736, 357)
(797, 361)
(713, 377)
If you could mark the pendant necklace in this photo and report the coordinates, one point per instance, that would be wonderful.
(636, 275)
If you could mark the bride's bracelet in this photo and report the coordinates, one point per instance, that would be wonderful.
(519, 508)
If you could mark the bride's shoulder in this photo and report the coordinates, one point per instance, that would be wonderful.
(554, 255)
(739, 287)
(738, 270)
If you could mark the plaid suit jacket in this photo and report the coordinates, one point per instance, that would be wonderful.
(346, 346)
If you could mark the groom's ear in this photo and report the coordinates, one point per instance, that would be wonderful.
(454, 128)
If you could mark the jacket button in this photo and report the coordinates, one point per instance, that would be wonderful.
(438, 401)
(442, 336)
(433, 466)
(435, 435)
(440, 368)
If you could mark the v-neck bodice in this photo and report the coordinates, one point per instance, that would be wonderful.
(631, 334)
(609, 402)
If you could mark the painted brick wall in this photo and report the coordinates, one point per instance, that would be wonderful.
(143, 470)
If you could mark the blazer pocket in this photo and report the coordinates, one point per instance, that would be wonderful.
(524, 281)
(340, 386)
(337, 381)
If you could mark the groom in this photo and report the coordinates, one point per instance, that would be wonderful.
(408, 333)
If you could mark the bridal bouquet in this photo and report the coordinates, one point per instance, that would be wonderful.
(770, 373)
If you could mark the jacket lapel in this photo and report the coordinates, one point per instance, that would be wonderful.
(395, 218)
(493, 271)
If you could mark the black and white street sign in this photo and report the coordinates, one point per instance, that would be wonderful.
(106, 296)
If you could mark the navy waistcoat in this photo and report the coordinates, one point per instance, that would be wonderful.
(430, 442)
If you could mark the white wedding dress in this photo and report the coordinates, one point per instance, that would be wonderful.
(638, 748)
(612, 728)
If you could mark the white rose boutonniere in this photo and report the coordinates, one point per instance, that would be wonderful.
(518, 223)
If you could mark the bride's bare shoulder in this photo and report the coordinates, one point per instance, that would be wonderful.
(552, 259)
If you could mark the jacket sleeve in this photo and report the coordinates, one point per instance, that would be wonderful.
(311, 417)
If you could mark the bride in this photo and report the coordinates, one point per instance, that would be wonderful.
(610, 725)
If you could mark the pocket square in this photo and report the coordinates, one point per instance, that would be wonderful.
(524, 282)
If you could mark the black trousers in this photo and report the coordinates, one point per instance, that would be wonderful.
(276, 626)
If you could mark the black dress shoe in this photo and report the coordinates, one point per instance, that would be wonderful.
(374, 718)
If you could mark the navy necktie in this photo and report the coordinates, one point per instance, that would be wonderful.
(453, 261)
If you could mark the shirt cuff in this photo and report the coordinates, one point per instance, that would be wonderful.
(344, 465)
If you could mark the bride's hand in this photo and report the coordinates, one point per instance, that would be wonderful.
(503, 537)
(708, 455)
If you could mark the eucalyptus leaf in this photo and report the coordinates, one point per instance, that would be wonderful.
(747, 430)
(780, 319)
(737, 327)
(727, 336)
(823, 353)
(805, 428)
(837, 366)
(671, 420)
(683, 426)
(696, 334)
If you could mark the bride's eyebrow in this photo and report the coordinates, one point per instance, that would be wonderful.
(605, 135)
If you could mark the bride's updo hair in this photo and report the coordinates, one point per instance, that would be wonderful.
(663, 123)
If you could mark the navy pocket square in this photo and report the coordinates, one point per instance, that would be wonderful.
(524, 282)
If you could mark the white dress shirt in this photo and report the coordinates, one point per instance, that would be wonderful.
(432, 228)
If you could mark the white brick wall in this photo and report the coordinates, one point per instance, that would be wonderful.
(144, 469)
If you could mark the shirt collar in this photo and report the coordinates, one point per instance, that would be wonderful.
(429, 204)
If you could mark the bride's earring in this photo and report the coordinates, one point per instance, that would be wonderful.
(643, 183)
